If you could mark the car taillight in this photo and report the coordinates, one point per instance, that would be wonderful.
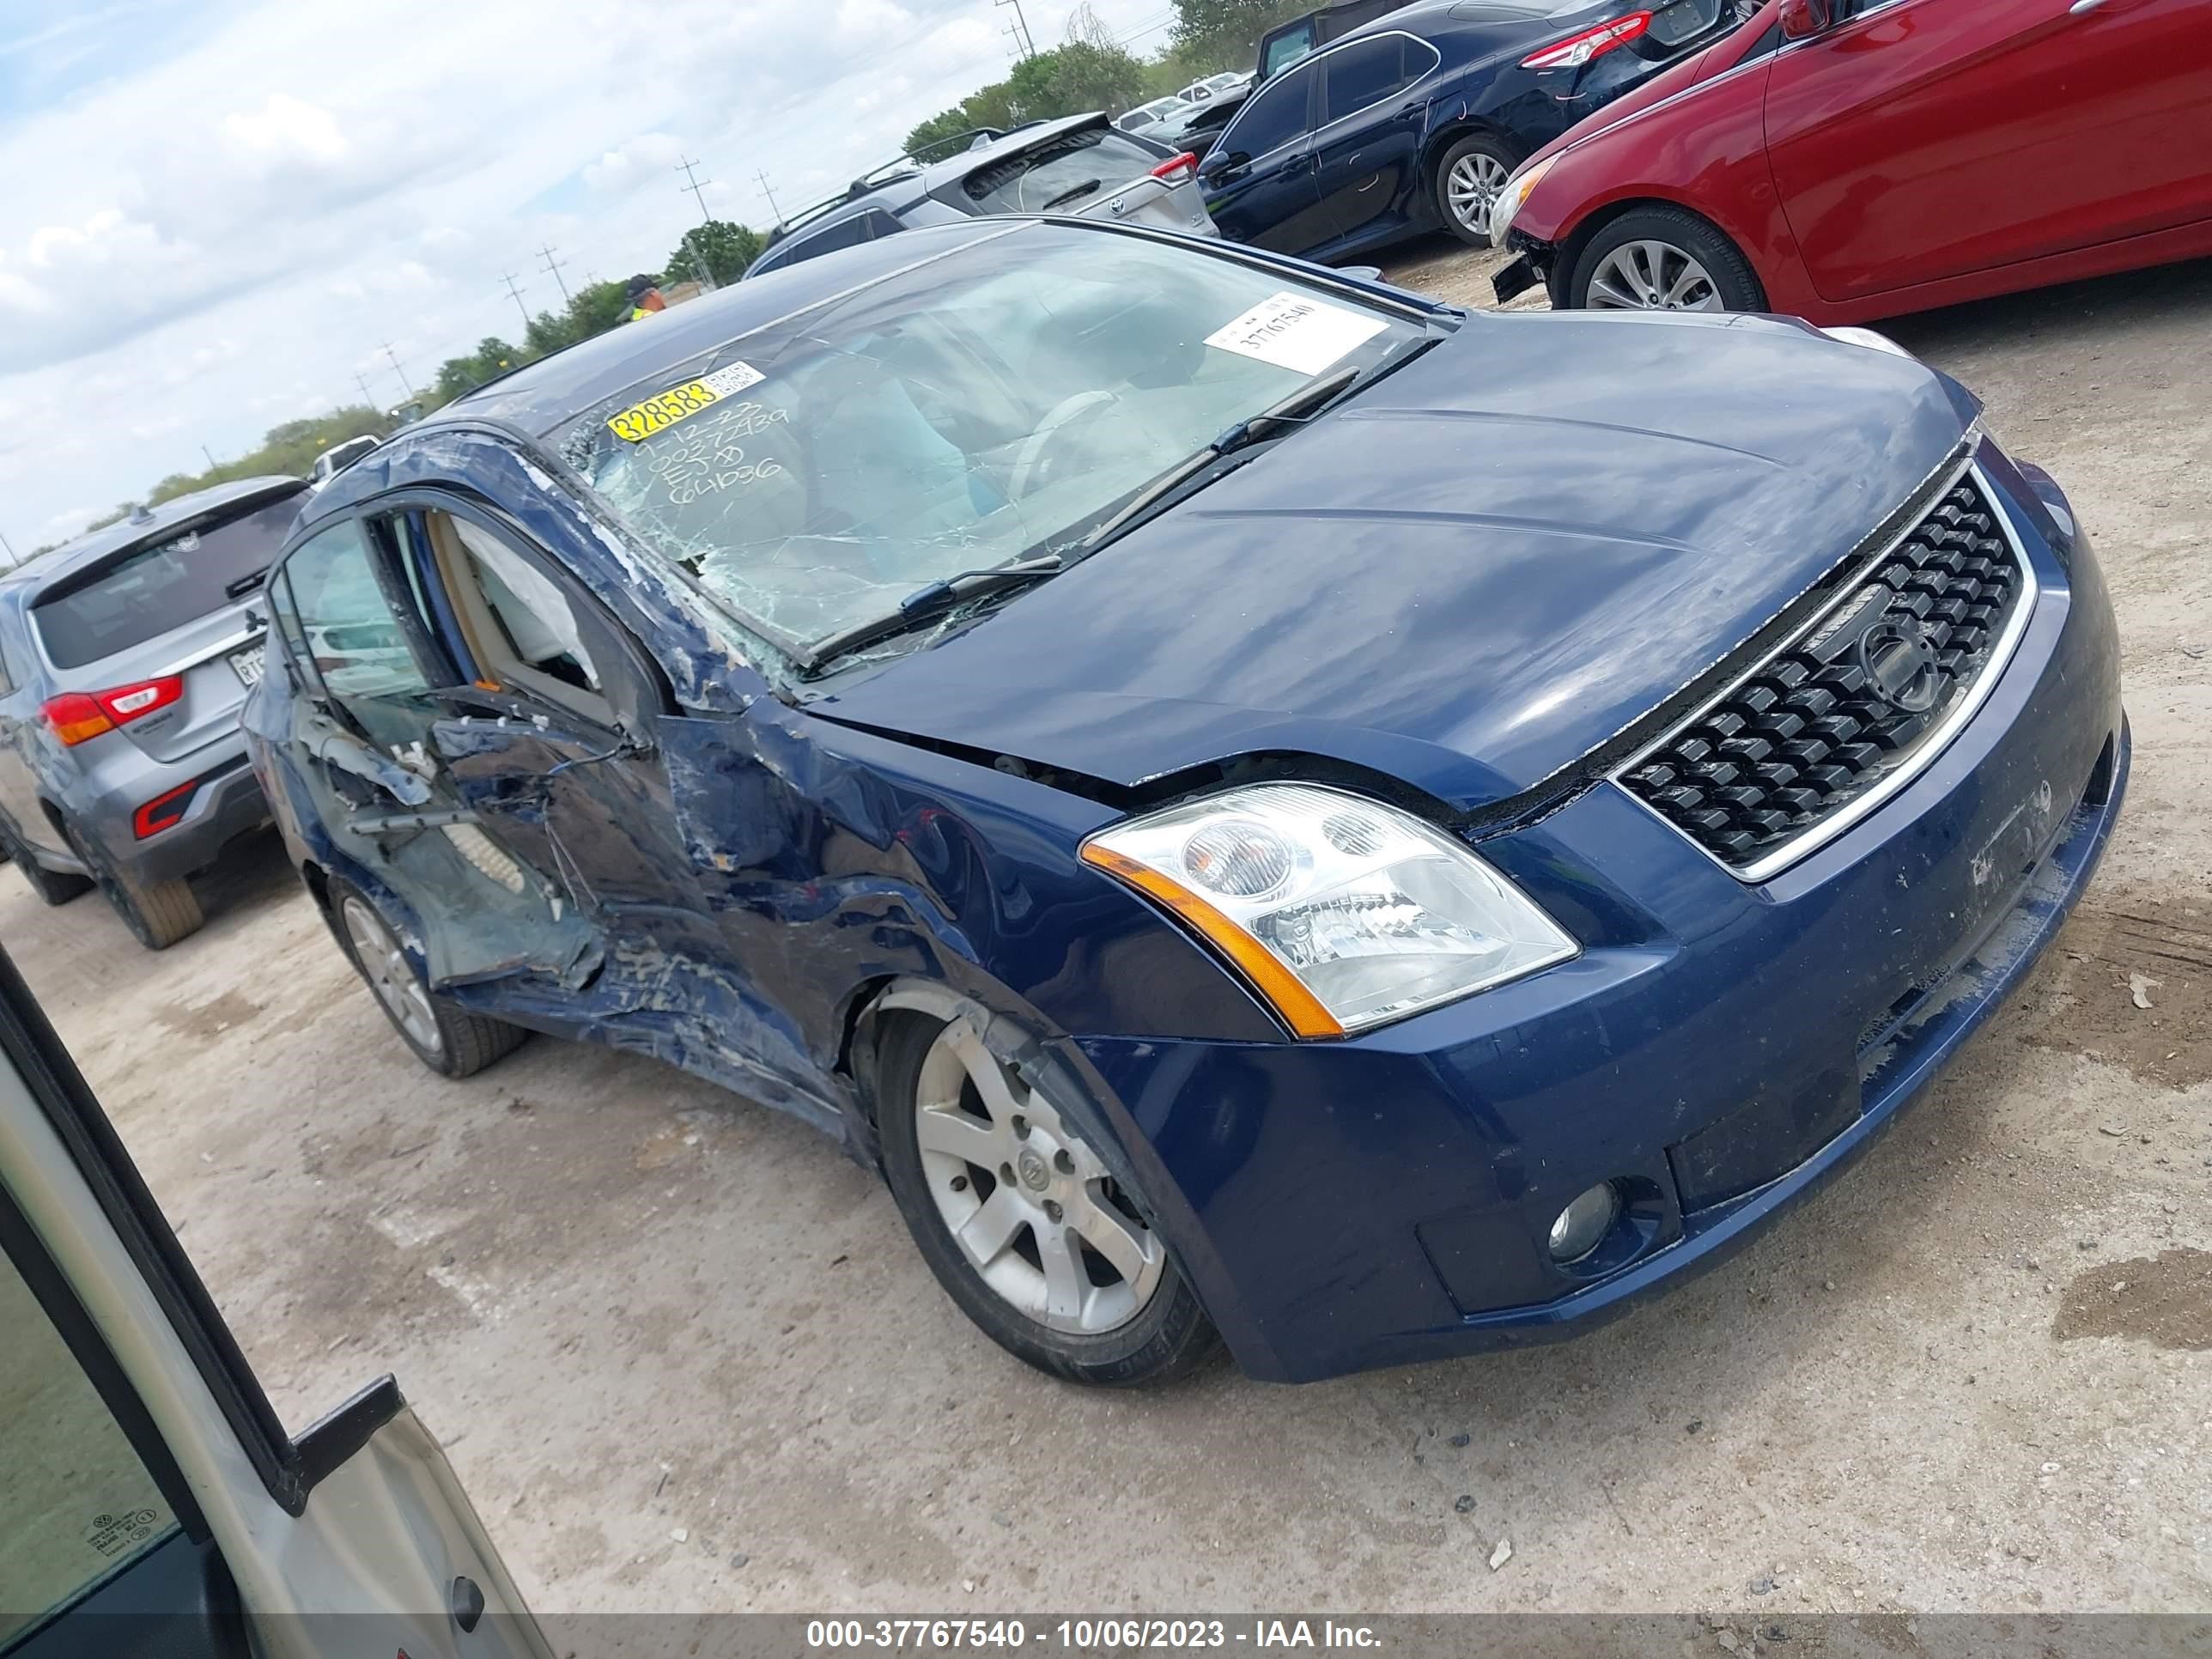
(1176, 169)
(164, 811)
(1579, 49)
(77, 715)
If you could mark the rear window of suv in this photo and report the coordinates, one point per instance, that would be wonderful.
(143, 594)
(1061, 175)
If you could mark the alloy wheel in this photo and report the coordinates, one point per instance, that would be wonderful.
(1472, 188)
(385, 966)
(1031, 1207)
(1652, 277)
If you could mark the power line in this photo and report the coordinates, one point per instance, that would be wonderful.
(696, 186)
(396, 369)
(516, 294)
(367, 392)
(552, 268)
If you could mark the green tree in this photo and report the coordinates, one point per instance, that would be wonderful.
(727, 249)
(1225, 33)
(1073, 79)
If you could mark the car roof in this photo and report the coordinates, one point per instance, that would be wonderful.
(130, 530)
(540, 396)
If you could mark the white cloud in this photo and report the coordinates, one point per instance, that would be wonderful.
(286, 128)
(622, 167)
(239, 227)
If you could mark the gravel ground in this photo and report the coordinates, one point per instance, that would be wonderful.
(685, 1358)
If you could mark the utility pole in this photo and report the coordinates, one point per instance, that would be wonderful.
(396, 369)
(552, 268)
(1019, 28)
(12, 560)
(516, 294)
(770, 195)
(696, 186)
(368, 394)
(706, 281)
(210, 454)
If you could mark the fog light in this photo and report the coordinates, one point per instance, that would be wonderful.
(1582, 1225)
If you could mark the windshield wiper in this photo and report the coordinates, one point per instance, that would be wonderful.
(1246, 432)
(1074, 193)
(931, 599)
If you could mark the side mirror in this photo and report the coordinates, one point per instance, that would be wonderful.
(1803, 19)
(1222, 164)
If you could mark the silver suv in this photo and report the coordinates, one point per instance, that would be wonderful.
(124, 658)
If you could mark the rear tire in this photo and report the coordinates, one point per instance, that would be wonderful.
(444, 1037)
(1661, 259)
(52, 886)
(1468, 177)
(157, 913)
(1012, 1246)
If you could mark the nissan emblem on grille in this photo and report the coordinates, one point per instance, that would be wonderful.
(1850, 701)
(1899, 660)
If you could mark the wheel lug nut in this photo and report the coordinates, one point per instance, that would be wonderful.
(1052, 1208)
(960, 1184)
(1064, 1161)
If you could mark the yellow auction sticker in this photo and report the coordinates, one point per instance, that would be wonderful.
(664, 409)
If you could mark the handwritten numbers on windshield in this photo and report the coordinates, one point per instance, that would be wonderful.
(711, 456)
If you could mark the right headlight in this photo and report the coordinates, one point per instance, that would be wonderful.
(1343, 912)
(1513, 197)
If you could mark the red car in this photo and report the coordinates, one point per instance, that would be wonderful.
(1843, 159)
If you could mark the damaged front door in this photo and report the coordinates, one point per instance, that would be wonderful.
(366, 726)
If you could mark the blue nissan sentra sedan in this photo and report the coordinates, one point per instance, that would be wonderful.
(1262, 804)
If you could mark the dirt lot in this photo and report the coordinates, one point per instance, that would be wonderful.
(685, 1358)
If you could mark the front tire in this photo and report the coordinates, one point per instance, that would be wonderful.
(1019, 1217)
(1661, 258)
(1469, 179)
(446, 1037)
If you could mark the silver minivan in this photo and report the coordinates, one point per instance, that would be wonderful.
(124, 658)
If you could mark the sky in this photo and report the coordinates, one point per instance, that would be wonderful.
(215, 215)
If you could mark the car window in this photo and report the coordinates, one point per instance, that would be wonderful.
(76, 1504)
(1001, 398)
(347, 632)
(1366, 72)
(1273, 116)
(1287, 48)
(151, 590)
(1061, 174)
(518, 624)
(811, 243)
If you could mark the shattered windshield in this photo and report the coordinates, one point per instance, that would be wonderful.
(987, 406)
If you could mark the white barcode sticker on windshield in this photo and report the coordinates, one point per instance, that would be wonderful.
(1293, 331)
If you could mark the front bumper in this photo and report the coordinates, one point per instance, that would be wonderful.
(1717, 1050)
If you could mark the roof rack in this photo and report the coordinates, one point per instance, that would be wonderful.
(903, 166)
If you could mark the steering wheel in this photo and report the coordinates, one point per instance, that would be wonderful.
(1035, 460)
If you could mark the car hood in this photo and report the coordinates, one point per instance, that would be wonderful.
(1469, 577)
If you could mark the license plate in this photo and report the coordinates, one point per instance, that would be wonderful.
(246, 664)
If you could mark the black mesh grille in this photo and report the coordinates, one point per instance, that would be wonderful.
(1829, 718)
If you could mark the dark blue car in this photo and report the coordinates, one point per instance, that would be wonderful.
(1262, 804)
(1415, 121)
